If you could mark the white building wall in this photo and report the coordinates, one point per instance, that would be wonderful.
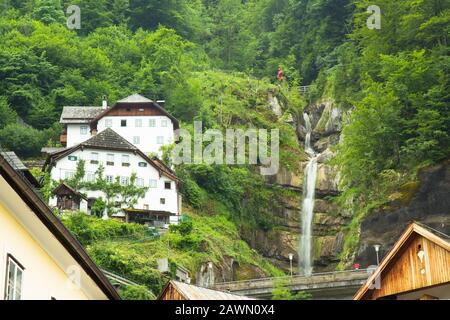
(77, 133)
(65, 168)
(150, 137)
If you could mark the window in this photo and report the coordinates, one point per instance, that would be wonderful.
(140, 182)
(73, 158)
(124, 181)
(136, 140)
(152, 183)
(69, 175)
(142, 164)
(138, 123)
(109, 179)
(125, 160)
(90, 177)
(167, 185)
(94, 157)
(162, 200)
(14, 278)
(110, 159)
(160, 140)
(163, 123)
(123, 123)
(83, 130)
(108, 123)
(152, 123)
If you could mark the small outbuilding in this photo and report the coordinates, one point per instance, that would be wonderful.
(175, 290)
(416, 268)
(67, 198)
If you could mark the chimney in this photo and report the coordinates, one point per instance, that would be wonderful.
(161, 102)
(105, 102)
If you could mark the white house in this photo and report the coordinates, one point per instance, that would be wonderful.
(121, 159)
(141, 121)
(39, 257)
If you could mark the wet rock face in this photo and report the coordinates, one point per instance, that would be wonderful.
(329, 219)
(430, 204)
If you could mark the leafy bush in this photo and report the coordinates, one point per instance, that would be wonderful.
(136, 293)
(88, 229)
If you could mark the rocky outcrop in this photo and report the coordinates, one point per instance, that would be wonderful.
(329, 219)
(427, 201)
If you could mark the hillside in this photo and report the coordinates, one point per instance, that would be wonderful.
(377, 103)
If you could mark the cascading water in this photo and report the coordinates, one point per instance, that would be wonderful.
(308, 203)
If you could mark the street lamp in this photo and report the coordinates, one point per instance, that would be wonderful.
(377, 248)
(291, 256)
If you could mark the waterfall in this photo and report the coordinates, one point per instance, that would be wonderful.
(304, 253)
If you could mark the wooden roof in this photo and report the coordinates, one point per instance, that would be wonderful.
(133, 101)
(64, 187)
(176, 290)
(414, 230)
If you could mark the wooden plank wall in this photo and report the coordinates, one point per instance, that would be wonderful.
(408, 273)
(134, 110)
(171, 293)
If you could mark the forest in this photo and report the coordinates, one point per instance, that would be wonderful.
(215, 60)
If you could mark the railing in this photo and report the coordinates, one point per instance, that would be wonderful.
(304, 89)
(293, 277)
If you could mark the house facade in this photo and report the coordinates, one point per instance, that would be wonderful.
(141, 121)
(416, 268)
(120, 160)
(39, 257)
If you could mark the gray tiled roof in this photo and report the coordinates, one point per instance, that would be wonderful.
(109, 139)
(135, 98)
(79, 114)
(13, 160)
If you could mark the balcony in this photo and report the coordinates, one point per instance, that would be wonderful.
(63, 139)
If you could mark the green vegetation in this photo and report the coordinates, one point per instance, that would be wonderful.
(126, 249)
(281, 292)
(216, 61)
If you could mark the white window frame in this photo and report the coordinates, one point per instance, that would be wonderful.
(153, 183)
(160, 140)
(140, 182)
(17, 289)
(68, 174)
(125, 181)
(108, 123)
(138, 123)
(125, 158)
(83, 130)
(90, 177)
(164, 123)
(152, 123)
(110, 157)
(94, 156)
(109, 178)
(136, 140)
